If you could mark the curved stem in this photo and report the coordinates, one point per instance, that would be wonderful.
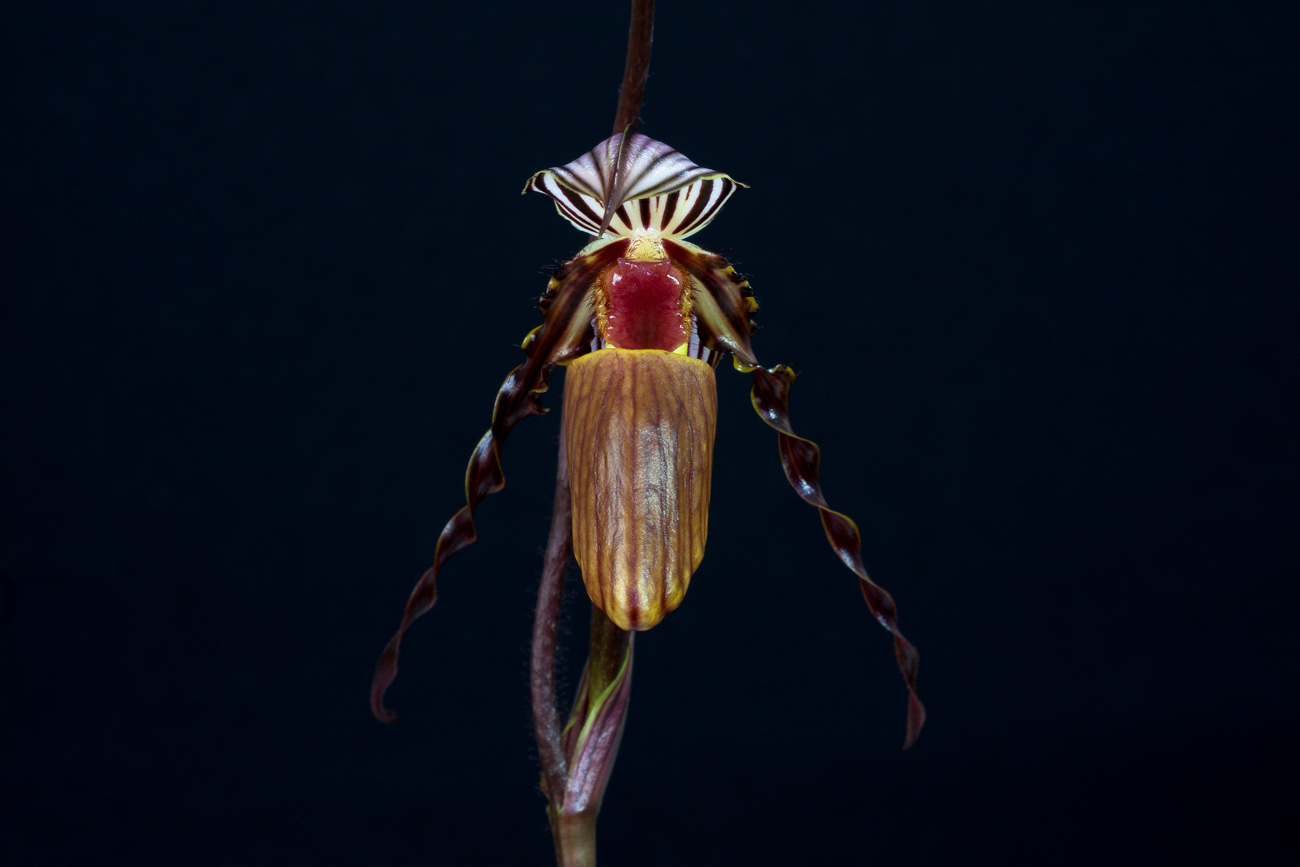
(546, 716)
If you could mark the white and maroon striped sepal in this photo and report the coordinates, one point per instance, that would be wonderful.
(661, 191)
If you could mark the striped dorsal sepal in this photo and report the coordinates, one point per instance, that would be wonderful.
(658, 190)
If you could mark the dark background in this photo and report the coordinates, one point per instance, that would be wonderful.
(267, 264)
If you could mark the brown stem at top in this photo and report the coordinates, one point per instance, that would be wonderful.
(637, 69)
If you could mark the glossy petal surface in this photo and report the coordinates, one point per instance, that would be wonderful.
(801, 460)
(643, 306)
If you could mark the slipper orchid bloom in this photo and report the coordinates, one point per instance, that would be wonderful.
(641, 317)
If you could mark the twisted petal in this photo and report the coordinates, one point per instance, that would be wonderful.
(658, 190)
(724, 307)
(565, 334)
(800, 458)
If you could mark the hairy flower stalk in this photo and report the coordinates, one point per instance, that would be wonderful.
(591, 741)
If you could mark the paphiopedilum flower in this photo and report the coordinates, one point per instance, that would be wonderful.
(641, 318)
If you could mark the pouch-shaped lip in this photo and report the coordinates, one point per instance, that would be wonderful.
(639, 432)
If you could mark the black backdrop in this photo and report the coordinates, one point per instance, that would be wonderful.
(267, 264)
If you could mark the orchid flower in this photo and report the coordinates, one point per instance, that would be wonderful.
(641, 318)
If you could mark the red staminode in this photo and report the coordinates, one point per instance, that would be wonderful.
(645, 306)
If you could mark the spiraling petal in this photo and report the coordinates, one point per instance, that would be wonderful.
(801, 458)
(660, 190)
(565, 334)
(723, 306)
